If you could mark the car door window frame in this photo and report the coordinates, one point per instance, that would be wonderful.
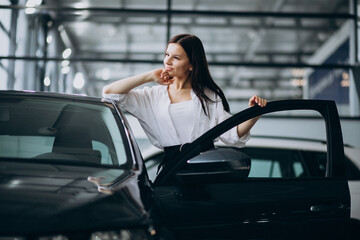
(335, 158)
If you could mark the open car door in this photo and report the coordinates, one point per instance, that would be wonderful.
(211, 194)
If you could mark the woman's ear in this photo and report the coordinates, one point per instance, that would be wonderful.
(191, 68)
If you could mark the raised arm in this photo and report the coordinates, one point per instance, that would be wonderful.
(245, 127)
(123, 86)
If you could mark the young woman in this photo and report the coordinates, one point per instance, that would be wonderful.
(186, 102)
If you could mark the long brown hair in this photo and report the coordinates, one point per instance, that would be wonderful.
(200, 74)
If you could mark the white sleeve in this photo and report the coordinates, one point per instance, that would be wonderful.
(136, 102)
(230, 137)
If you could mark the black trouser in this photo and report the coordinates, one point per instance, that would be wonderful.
(171, 152)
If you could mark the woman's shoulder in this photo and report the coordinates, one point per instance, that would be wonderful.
(160, 88)
(211, 94)
(153, 89)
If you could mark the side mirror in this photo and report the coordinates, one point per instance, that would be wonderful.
(216, 166)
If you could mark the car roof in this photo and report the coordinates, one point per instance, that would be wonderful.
(283, 143)
(286, 143)
(301, 144)
(55, 95)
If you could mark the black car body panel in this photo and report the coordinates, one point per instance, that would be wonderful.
(43, 197)
(61, 190)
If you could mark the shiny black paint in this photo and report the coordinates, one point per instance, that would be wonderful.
(257, 203)
(307, 207)
(37, 198)
(40, 198)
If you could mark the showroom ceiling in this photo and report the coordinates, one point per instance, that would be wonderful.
(253, 46)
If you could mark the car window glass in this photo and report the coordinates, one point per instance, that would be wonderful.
(105, 152)
(25, 146)
(298, 169)
(60, 130)
(279, 141)
(315, 162)
(265, 168)
(274, 163)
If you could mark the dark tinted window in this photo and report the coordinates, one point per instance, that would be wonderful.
(269, 162)
(317, 165)
(351, 171)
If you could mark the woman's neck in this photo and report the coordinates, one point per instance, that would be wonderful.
(181, 84)
(179, 91)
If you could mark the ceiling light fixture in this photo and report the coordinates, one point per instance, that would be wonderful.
(65, 70)
(65, 63)
(67, 52)
(47, 81)
(49, 39)
(30, 6)
(79, 80)
(298, 82)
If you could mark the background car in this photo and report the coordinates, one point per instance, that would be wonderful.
(278, 157)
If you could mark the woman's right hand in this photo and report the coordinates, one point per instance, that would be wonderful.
(161, 76)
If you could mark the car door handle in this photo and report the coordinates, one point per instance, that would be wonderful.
(327, 208)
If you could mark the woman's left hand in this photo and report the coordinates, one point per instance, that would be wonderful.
(255, 100)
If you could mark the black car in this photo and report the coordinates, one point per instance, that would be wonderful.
(70, 168)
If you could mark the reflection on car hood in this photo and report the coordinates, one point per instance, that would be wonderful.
(39, 198)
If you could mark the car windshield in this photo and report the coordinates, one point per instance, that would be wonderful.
(60, 130)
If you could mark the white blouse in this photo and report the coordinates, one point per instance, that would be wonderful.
(150, 105)
(181, 113)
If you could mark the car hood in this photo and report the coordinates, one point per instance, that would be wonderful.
(38, 198)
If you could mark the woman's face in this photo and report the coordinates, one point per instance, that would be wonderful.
(176, 61)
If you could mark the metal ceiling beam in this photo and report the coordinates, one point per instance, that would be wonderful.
(223, 63)
(288, 53)
(190, 12)
(209, 25)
